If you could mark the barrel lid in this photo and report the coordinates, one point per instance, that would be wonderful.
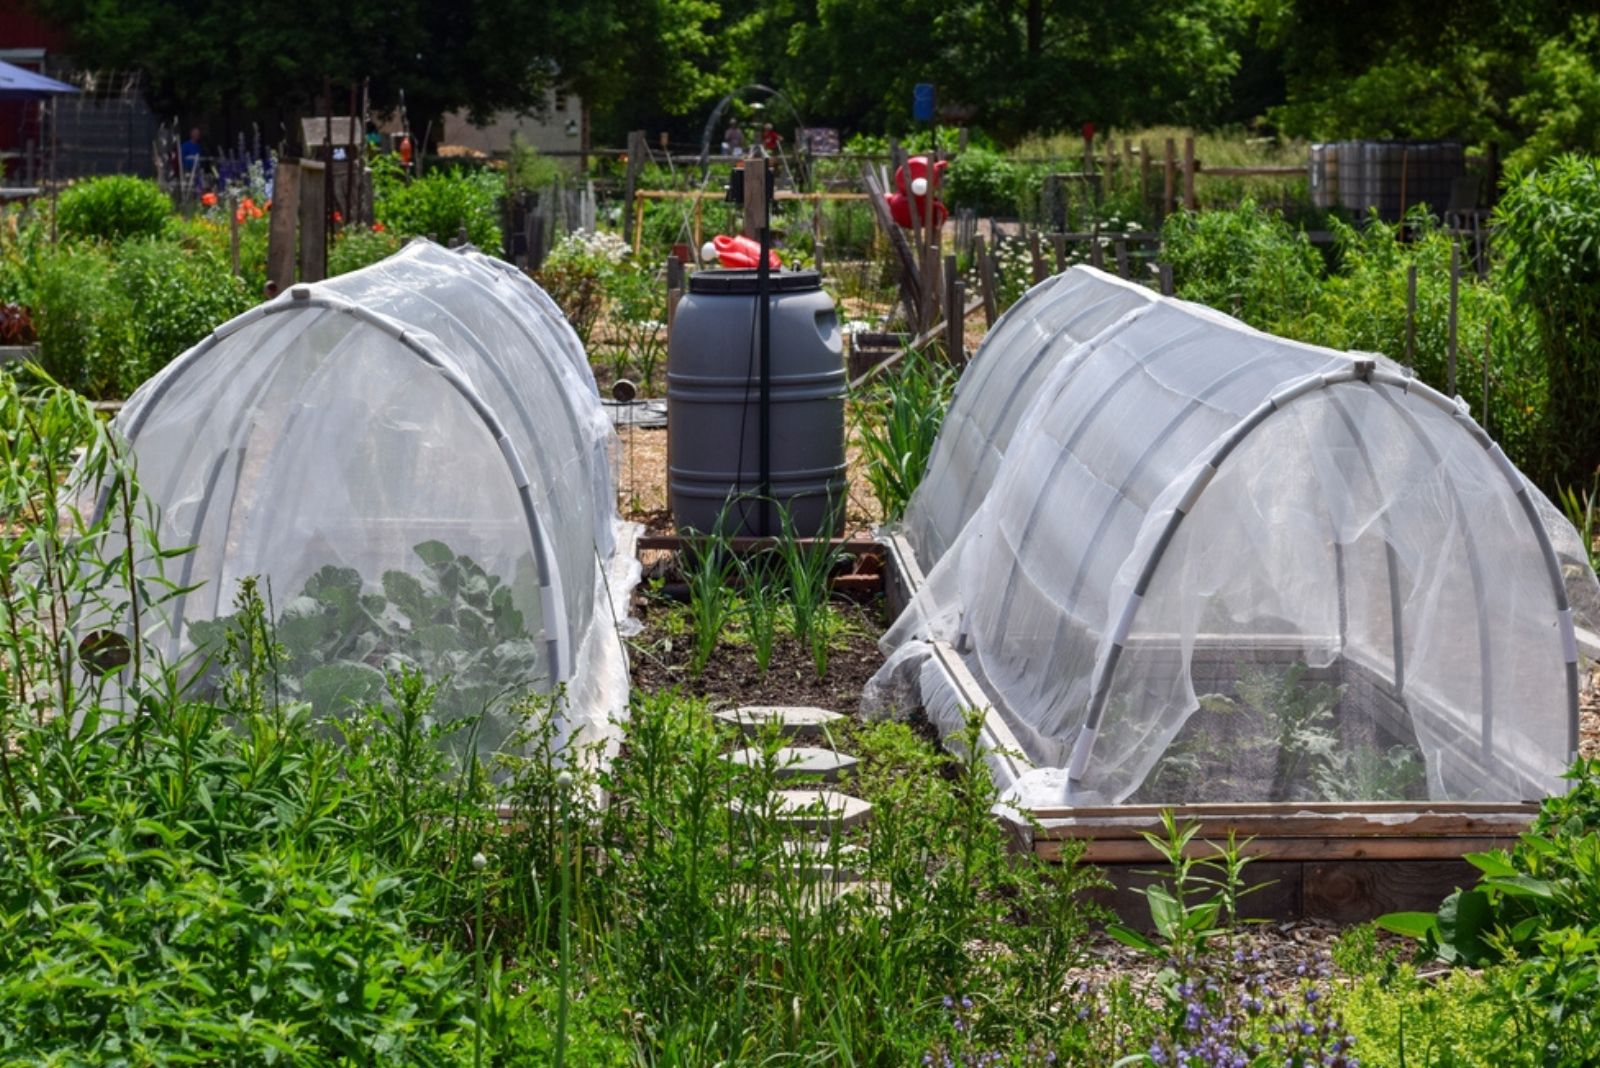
(743, 281)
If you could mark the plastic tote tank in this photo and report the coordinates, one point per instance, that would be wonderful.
(714, 423)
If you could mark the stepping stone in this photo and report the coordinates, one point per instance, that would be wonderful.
(793, 762)
(818, 859)
(819, 810)
(800, 722)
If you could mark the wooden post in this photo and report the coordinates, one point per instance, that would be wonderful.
(991, 303)
(1411, 314)
(1040, 270)
(233, 234)
(698, 239)
(1127, 156)
(1097, 256)
(674, 290)
(954, 305)
(1455, 282)
(1164, 271)
(755, 197)
(284, 225)
(910, 271)
(1189, 200)
(1170, 187)
(932, 286)
(1488, 346)
(816, 234)
(638, 223)
(1121, 248)
(313, 220)
(636, 158)
(1144, 174)
(1059, 243)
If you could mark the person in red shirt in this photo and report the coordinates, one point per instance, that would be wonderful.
(770, 140)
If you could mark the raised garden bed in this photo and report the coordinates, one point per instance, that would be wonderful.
(1338, 861)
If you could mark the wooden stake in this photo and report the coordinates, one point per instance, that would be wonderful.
(954, 301)
(1059, 243)
(233, 234)
(674, 291)
(1040, 270)
(1144, 173)
(755, 197)
(1121, 248)
(636, 158)
(1164, 271)
(1170, 183)
(991, 301)
(1455, 282)
(1411, 315)
(1189, 200)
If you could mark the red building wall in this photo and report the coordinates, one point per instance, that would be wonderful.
(21, 28)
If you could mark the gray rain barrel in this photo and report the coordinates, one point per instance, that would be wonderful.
(713, 405)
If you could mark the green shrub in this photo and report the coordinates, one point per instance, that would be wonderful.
(1548, 231)
(1246, 262)
(112, 208)
(983, 182)
(441, 204)
(176, 296)
(1362, 307)
(84, 320)
(357, 247)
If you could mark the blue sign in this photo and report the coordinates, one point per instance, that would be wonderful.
(922, 102)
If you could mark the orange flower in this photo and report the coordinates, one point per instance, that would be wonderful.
(238, 216)
(377, 228)
(209, 199)
(338, 218)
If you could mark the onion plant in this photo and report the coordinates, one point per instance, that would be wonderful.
(809, 564)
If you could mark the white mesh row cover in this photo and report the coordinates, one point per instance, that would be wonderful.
(1189, 561)
(414, 456)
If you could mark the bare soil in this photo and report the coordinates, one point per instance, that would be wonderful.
(660, 659)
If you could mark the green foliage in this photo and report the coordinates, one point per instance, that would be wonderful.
(1533, 914)
(897, 422)
(177, 296)
(579, 273)
(112, 208)
(1246, 262)
(1584, 515)
(1401, 1021)
(83, 318)
(982, 181)
(441, 204)
(1560, 107)
(450, 620)
(1198, 906)
(1548, 231)
(357, 247)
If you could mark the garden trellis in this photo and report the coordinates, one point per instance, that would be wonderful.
(414, 457)
(1188, 561)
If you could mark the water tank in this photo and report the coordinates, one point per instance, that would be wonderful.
(714, 423)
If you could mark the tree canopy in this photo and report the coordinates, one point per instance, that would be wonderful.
(1525, 72)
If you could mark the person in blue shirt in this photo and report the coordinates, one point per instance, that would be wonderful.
(189, 155)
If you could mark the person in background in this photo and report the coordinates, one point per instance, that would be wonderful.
(189, 157)
(771, 140)
(733, 140)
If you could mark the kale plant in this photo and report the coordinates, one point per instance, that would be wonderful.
(452, 621)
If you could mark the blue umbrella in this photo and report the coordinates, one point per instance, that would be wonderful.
(19, 84)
